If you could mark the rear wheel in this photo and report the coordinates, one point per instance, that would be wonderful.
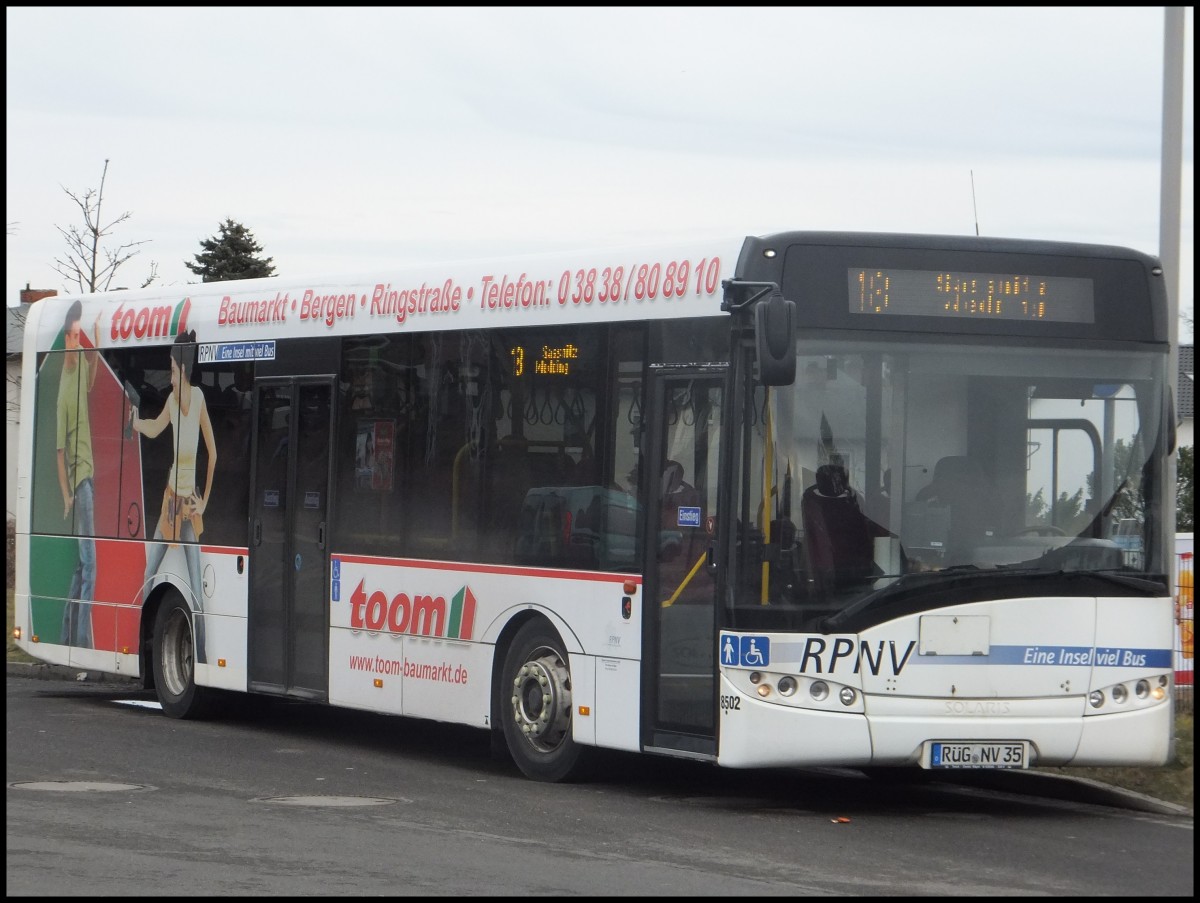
(175, 662)
(535, 693)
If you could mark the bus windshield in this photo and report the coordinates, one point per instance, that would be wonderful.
(892, 469)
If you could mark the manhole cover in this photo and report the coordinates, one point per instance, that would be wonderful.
(337, 801)
(77, 786)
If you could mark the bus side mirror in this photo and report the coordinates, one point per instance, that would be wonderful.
(775, 340)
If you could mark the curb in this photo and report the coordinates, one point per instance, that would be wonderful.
(1069, 788)
(43, 671)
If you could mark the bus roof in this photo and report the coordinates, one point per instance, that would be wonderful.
(650, 282)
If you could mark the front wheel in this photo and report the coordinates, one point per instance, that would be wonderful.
(175, 663)
(535, 706)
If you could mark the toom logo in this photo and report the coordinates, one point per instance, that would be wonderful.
(161, 322)
(416, 614)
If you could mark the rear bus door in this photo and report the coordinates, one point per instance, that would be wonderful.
(288, 626)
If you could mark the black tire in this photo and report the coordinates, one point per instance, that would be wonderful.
(174, 657)
(536, 709)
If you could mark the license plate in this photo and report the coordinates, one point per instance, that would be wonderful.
(977, 754)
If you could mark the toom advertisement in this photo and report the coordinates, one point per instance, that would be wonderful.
(239, 319)
(88, 503)
(402, 639)
(415, 637)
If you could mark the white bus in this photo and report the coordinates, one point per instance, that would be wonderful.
(804, 499)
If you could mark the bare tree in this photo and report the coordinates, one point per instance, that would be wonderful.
(87, 263)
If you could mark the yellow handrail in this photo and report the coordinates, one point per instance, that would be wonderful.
(686, 580)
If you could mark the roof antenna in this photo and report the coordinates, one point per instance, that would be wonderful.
(973, 207)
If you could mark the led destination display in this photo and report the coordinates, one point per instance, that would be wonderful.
(994, 296)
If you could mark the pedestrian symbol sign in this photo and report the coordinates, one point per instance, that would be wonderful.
(752, 651)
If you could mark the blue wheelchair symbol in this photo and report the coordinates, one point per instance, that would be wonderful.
(756, 651)
(745, 651)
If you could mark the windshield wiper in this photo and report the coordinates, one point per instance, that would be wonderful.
(922, 587)
(1127, 581)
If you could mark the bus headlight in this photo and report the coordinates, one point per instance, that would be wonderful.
(797, 691)
(1142, 693)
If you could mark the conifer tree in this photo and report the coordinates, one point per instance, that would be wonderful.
(232, 254)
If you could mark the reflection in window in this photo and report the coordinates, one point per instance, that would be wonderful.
(471, 445)
(935, 458)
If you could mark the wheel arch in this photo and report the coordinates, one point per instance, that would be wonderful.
(543, 746)
(154, 600)
(516, 619)
(151, 603)
(500, 652)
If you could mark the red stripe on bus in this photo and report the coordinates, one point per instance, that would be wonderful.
(599, 576)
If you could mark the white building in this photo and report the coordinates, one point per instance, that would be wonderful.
(14, 333)
(1184, 395)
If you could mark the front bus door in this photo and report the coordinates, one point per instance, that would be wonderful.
(288, 621)
(683, 434)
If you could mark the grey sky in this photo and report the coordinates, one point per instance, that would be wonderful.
(349, 139)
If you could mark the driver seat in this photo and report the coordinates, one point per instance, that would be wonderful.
(838, 538)
(960, 486)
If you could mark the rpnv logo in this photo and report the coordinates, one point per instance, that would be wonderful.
(418, 615)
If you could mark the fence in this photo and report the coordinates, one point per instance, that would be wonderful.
(1185, 668)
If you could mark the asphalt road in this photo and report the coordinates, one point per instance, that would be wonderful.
(106, 796)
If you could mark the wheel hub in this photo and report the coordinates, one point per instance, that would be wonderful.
(541, 700)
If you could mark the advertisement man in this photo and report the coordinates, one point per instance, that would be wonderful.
(75, 471)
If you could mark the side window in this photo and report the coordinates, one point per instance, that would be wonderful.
(86, 417)
(506, 446)
(567, 427)
(145, 376)
(227, 389)
(142, 377)
(447, 443)
(378, 389)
